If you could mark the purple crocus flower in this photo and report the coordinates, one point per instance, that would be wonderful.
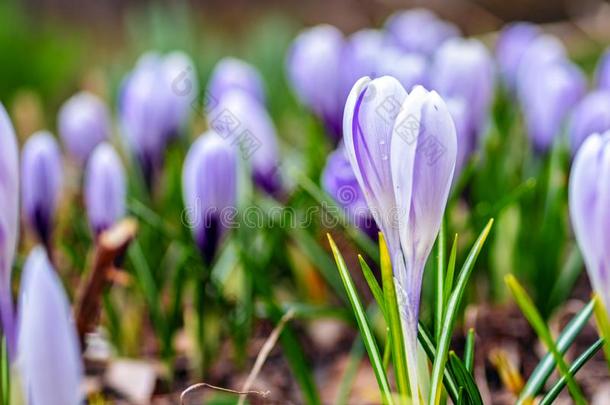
(104, 189)
(360, 57)
(9, 223)
(512, 43)
(41, 173)
(402, 149)
(419, 30)
(316, 53)
(209, 178)
(464, 68)
(602, 73)
(589, 201)
(232, 73)
(253, 134)
(591, 115)
(557, 89)
(83, 123)
(48, 354)
(410, 69)
(155, 101)
(339, 181)
(466, 138)
(544, 50)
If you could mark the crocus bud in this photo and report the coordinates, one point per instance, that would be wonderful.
(602, 74)
(466, 139)
(551, 97)
(464, 68)
(9, 223)
(83, 123)
(410, 69)
(209, 191)
(589, 200)
(232, 73)
(181, 75)
(402, 149)
(419, 30)
(41, 173)
(316, 53)
(49, 355)
(339, 181)
(105, 188)
(155, 101)
(512, 43)
(253, 134)
(591, 115)
(543, 50)
(361, 55)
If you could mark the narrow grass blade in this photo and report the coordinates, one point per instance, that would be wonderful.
(465, 380)
(546, 366)
(365, 330)
(439, 277)
(373, 285)
(450, 271)
(452, 308)
(603, 325)
(427, 344)
(469, 351)
(535, 319)
(577, 365)
(394, 323)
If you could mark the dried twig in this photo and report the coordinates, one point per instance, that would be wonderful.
(264, 353)
(198, 386)
(110, 245)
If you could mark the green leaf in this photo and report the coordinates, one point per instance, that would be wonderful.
(351, 369)
(464, 379)
(469, 351)
(577, 365)
(451, 314)
(427, 344)
(373, 285)
(546, 366)
(535, 319)
(365, 330)
(450, 271)
(603, 325)
(394, 323)
(439, 277)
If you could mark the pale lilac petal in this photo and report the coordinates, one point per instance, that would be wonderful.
(370, 112)
(514, 40)
(48, 355)
(230, 74)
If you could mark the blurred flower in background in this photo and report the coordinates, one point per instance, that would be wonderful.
(83, 122)
(230, 74)
(314, 66)
(589, 198)
(591, 115)
(419, 30)
(49, 357)
(209, 181)
(153, 106)
(9, 223)
(42, 179)
(602, 74)
(339, 181)
(512, 43)
(104, 188)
